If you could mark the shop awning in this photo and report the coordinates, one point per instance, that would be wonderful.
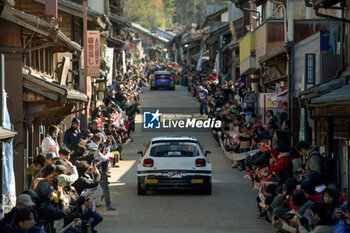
(213, 16)
(197, 55)
(273, 53)
(114, 18)
(275, 80)
(7, 2)
(45, 100)
(51, 90)
(6, 134)
(322, 88)
(234, 44)
(338, 96)
(115, 42)
(76, 9)
(42, 27)
(221, 29)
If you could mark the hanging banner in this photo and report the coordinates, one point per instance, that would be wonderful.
(216, 65)
(93, 61)
(109, 58)
(199, 63)
(8, 181)
(89, 94)
(124, 62)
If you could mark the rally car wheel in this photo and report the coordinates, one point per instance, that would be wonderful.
(207, 189)
(140, 190)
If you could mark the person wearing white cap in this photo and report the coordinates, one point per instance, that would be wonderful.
(51, 158)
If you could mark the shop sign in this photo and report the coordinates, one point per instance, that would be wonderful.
(270, 101)
(93, 46)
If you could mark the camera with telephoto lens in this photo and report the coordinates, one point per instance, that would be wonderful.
(104, 146)
(67, 188)
(55, 184)
(304, 222)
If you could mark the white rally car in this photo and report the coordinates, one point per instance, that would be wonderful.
(174, 162)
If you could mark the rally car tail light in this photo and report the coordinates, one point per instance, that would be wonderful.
(201, 163)
(154, 78)
(148, 163)
(171, 78)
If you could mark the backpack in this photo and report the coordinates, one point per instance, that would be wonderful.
(327, 166)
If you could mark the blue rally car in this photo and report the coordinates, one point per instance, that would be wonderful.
(163, 79)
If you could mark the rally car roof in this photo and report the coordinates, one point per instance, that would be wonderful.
(174, 138)
(162, 72)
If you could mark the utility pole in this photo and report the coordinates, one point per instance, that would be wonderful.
(107, 8)
(194, 11)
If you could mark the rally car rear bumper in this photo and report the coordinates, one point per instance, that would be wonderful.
(152, 182)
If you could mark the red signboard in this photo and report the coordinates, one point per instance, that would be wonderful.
(89, 94)
(93, 52)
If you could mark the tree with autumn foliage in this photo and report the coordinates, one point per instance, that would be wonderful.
(166, 13)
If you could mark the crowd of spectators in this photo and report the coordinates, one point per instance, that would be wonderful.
(69, 178)
(295, 183)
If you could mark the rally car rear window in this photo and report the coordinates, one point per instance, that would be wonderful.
(178, 150)
(162, 75)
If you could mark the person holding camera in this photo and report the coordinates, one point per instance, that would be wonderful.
(73, 203)
(47, 210)
(312, 156)
(343, 226)
(85, 181)
(324, 222)
(80, 153)
(113, 145)
(103, 156)
(62, 192)
(47, 175)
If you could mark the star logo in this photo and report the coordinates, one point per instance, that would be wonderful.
(156, 115)
(152, 120)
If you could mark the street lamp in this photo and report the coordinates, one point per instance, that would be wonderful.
(284, 19)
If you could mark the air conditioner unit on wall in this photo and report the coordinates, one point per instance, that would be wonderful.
(270, 9)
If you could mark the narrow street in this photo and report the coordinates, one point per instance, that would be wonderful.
(231, 207)
(257, 95)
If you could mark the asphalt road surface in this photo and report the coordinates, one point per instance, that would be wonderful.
(231, 207)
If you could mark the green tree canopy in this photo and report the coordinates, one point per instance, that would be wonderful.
(166, 13)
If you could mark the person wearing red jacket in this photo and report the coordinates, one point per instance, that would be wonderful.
(214, 75)
(283, 162)
(309, 189)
